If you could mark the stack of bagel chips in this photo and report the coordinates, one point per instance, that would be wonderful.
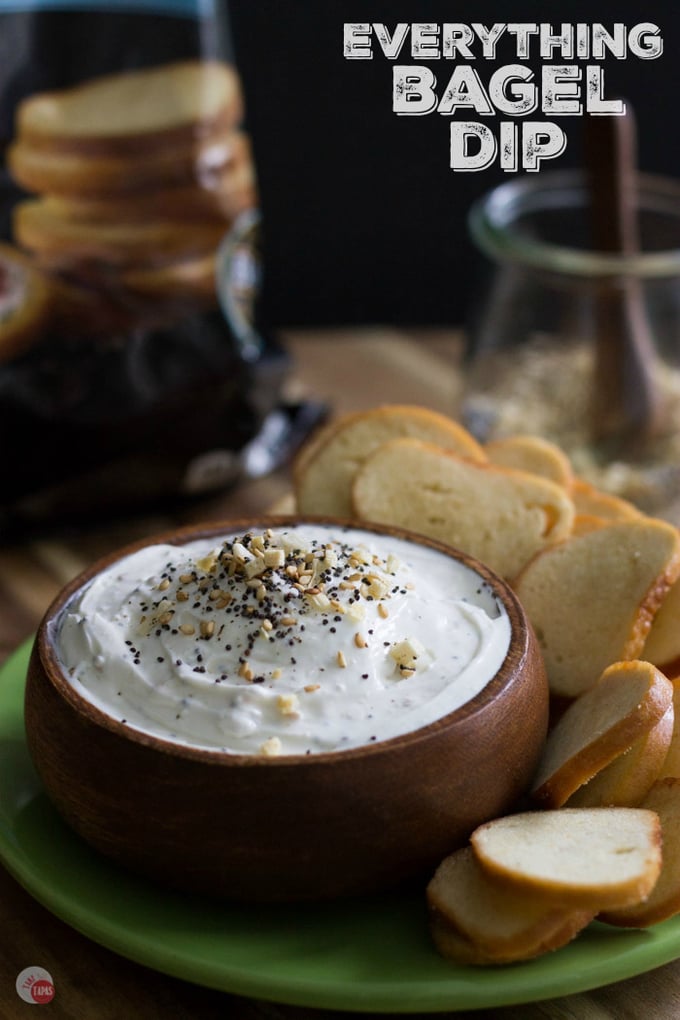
(134, 179)
(598, 834)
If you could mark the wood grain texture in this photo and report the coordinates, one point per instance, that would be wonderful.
(352, 370)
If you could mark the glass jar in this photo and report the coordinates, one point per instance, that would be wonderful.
(125, 160)
(531, 355)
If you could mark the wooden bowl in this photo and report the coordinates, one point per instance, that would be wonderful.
(293, 827)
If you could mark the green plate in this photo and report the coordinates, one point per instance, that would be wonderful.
(370, 955)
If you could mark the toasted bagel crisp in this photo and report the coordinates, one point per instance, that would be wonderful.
(499, 515)
(180, 102)
(40, 226)
(589, 858)
(662, 646)
(588, 499)
(625, 704)
(474, 921)
(324, 471)
(592, 598)
(627, 779)
(534, 454)
(664, 900)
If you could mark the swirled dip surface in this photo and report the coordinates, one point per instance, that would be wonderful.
(297, 641)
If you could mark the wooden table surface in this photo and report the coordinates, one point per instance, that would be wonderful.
(351, 370)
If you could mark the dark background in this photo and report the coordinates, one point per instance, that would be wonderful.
(364, 220)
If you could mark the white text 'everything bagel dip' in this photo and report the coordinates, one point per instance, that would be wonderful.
(307, 639)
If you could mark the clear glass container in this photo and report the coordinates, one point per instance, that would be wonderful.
(530, 365)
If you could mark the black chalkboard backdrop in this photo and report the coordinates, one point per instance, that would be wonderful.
(364, 219)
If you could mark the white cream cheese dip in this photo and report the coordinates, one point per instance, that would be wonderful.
(296, 641)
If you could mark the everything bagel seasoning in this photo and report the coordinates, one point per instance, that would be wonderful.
(312, 637)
